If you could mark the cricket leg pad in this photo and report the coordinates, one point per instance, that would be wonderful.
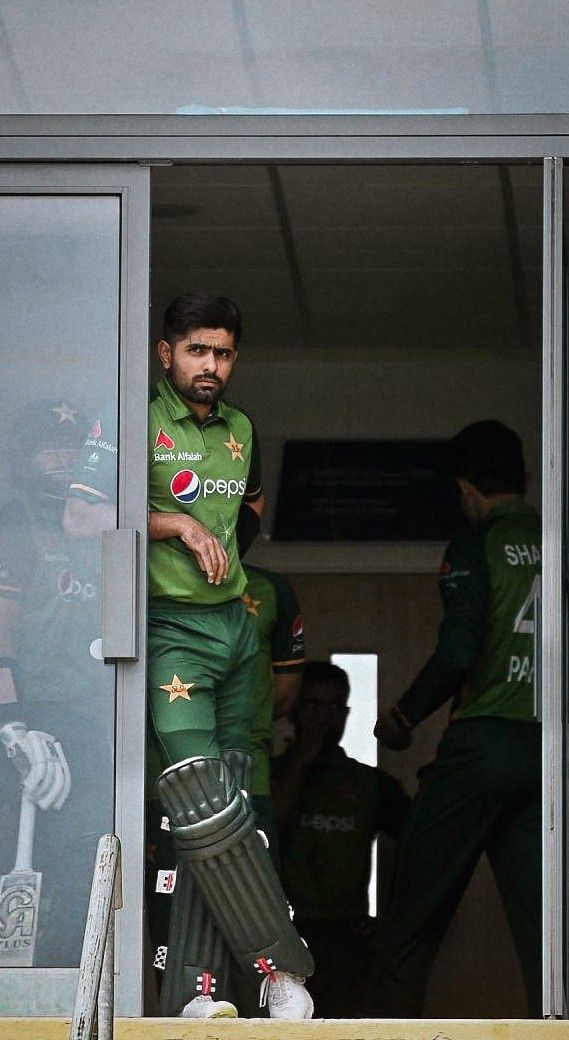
(197, 962)
(241, 765)
(215, 833)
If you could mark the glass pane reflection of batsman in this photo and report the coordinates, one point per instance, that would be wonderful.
(45, 782)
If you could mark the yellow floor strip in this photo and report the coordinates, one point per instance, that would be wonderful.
(318, 1029)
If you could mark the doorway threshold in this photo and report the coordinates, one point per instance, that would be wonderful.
(317, 1029)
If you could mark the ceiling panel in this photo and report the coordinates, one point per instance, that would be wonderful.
(189, 248)
(406, 256)
(400, 196)
(383, 248)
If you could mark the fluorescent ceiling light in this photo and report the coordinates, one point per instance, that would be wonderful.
(242, 110)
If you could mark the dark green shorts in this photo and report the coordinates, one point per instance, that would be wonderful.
(201, 676)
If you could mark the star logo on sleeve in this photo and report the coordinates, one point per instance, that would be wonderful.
(226, 532)
(251, 604)
(235, 448)
(65, 413)
(177, 688)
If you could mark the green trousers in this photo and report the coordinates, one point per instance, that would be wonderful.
(201, 675)
(481, 794)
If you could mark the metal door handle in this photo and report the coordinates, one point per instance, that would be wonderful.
(121, 553)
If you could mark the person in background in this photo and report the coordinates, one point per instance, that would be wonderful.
(482, 793)
(272, 603)
(329, 810)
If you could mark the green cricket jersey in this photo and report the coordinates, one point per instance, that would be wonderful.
(485, 651)
(53, 582)
(326, 850)
(95, 474)
(272, 603)
(206, 470)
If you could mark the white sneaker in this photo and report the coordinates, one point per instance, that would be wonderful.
(287, 997)
(206, 1007)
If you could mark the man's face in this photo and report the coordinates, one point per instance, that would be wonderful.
(200, 364)
(323, 706)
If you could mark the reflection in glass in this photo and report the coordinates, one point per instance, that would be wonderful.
(59, 302)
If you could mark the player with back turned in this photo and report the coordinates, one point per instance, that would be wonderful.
(483, 791)
(205, 485)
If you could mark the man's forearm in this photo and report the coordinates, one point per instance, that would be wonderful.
(287, 792)
(458, 645)
(164, 525)
(258, 505)
(286, 688)
(437, 681)
(248, 527)
(210, 554)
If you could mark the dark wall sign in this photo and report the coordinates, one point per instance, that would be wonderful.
(366, 490)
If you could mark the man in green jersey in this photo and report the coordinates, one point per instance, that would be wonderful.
(483, 791)
(272, 603)
(204, 463)
(56, 696)
(204, 473)
(330, 808)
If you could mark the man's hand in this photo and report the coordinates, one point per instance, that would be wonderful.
(284, 734)
(207, 549)
(210, 554)
(392, 733)
(309, 742)
(39, 759)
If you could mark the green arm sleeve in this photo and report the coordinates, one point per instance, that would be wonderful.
(247, 529)
(254, 488)
(287, 640)
(465, 588)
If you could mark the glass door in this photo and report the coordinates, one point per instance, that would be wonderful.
(73, 299)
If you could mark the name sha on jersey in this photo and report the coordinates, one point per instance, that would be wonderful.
(524, 554)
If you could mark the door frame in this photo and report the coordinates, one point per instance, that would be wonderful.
(144, 141)
(53, 989)
(553, 611)
(299, 138)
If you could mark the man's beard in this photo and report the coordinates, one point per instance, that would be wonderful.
(197, 394)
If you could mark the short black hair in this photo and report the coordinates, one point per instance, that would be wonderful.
(200, 310)
(326, 672)
(490, 456)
